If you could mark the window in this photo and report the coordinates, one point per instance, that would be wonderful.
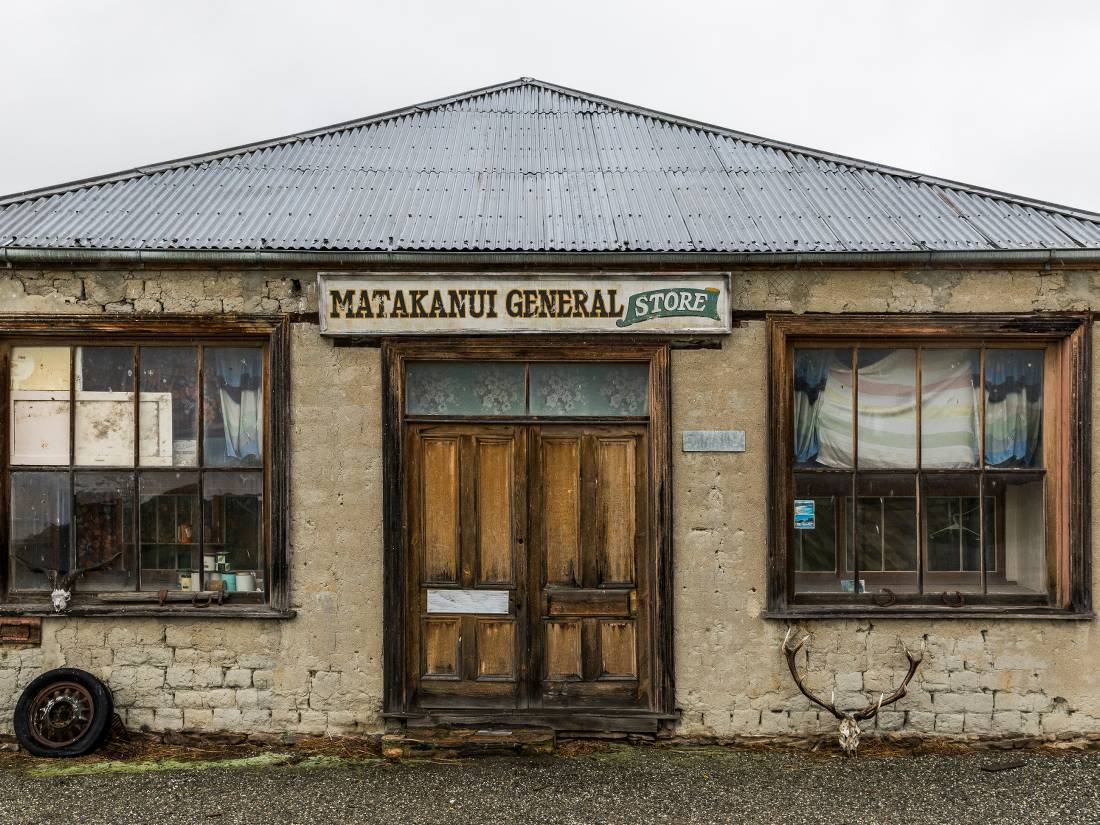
(928, 469)
(491, 389)
(144, 462)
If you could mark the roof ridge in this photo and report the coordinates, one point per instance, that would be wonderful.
(612, 103)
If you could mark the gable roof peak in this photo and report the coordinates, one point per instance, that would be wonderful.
(536, 166)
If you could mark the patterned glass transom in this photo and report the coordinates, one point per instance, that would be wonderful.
(513, 388)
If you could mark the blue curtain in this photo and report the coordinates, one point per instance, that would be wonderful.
(811, 372)
(1014, 407)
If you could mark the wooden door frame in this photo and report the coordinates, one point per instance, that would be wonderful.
(395, 354)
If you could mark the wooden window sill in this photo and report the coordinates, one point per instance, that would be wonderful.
(215, 611)
(922, 612)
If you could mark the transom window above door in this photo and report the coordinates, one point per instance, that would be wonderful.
(931, 469)
(509, 389)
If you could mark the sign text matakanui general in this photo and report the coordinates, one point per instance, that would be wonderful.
(435, 303)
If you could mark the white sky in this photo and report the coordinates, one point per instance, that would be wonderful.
(998, 94)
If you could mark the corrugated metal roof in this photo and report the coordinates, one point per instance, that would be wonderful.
(528, 166)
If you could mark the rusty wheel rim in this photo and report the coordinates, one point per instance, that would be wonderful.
(60, 714)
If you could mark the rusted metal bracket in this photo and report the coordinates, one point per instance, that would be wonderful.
(20, 630)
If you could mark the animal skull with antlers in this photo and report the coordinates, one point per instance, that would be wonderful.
(849, 721)
(62, 584)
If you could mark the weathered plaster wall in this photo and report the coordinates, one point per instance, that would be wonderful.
(318, 673)
(321, 672)
(1017, 677)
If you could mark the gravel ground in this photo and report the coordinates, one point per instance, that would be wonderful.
(629, 786)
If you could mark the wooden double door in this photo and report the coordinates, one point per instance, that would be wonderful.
(530, 562)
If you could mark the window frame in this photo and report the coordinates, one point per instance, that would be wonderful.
(396, 353)
(1067, 395)
(271, 332)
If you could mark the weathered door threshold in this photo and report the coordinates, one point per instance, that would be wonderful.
(468, 741)
(611, 721)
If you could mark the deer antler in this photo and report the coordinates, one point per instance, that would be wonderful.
(790, 651)
(872, 709)
(66, 582)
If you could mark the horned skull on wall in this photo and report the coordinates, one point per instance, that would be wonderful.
(849, 732)
(61, 584)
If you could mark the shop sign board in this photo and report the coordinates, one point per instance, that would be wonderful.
(680, 303)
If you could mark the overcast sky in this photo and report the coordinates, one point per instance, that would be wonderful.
(999, 94)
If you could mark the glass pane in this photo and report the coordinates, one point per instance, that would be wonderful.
(1021, 533)
(464, 388)
(953, 524)
(233, 407)
(815, 535)
(169, 531)
(949, 408)
(40, 405)
(39, 527)
(820, 530)
(169, 406)
(103, 515)
(233, 531)
(604, 389)
(823, 407)
(104, 420)
(1014, 407)
(887, 413)
(886, 532)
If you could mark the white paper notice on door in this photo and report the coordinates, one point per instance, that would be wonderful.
(468, 601)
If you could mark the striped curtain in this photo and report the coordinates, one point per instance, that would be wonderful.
(887, 415)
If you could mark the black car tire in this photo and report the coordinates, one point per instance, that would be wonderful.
(63, 713)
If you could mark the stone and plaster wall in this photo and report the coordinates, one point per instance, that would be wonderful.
(1007, 677)
(321, 673)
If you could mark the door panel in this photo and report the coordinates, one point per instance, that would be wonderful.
(618, 655)
(441, 654)
(495, 509)
(563, 650)
(616, 494)
(440, 521)
(561, 515)
(533, 543)
(467, 507)
(589, 628)
(496, 650)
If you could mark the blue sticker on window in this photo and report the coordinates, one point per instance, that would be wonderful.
(803, 514)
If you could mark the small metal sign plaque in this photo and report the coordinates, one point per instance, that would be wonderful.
(714, 441)
(692, 303)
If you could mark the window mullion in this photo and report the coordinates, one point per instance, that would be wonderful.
(919, 480)
(200, 433)
(981, 473)
(855, 470)
(135, 526)
(72, 456)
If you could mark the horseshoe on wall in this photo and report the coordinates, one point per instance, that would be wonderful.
(885, 597)
(957, 600)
